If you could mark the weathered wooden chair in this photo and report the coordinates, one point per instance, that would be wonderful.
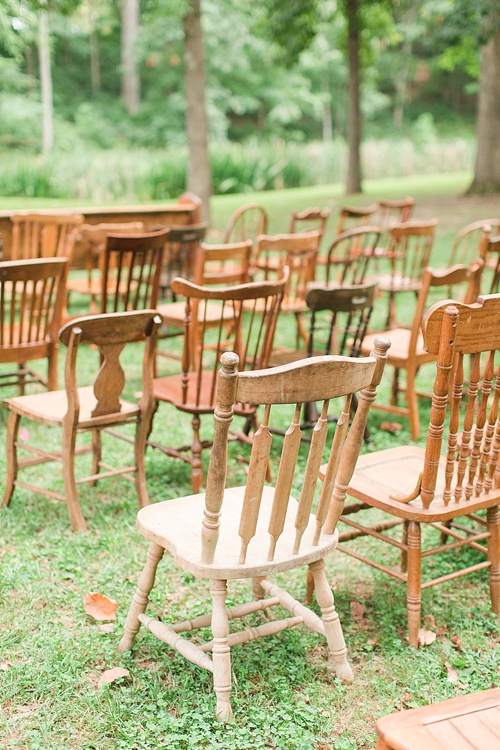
(90, 408)
(468, 244)
(40, 235)
(276, 532)
(394, 211)
(455, 476)
(348, 258)
(131, 271)
(250, 335)
(91, 241)
(179, 255)
(351, 217)
(407, 351)
(246, 223)
(491, 254)
(408, 256)
(32, 294)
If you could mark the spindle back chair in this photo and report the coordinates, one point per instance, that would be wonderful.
(348, 258)
(179, 255)
(351, 217)
(256, 530)
(468, 244)
(40, 235)
(246, 223)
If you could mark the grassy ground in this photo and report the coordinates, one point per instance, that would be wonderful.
(52, 654)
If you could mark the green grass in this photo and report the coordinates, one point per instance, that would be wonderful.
(52, 654)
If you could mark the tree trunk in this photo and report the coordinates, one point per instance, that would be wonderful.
(327, 106)
(46, 83)
(487, 168)
(199, 179)
(353, 183)
(131, 86)
(95, 64)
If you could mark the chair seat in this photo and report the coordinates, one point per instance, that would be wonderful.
(174, 313)
(395, 472)
(400, 346)
(175, 525)
(51, 407)
(398, 284)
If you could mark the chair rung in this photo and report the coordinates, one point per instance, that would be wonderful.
(311, 619)
(242, 610)
(104, 474)
(268, 628)
(40, 490)
(367, 561)
(445, 530)
(346, 536)
(44, 457)
(457, 574)
(187, 649)
(468, 541)
(372, 531)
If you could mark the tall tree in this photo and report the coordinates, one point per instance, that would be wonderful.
(199, 178)
(46, 82)
(354, 126)
(487, 166)
(131, 85)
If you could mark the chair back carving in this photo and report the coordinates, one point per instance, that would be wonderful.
(316, 379)
(246, 223)
(222, 264)
(349, 255)
(131, 272)
(466, 340)
(43, 235)
(297, 251)
(351, 217)
(109, 333)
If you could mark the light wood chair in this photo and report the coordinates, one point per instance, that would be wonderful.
(408, 256)
(32, 295)
(250, 335)
(246, 223)
(258, 530)
(349, 256)
(394, 211)
(37, 235)
(89, 408)
(407, 351)
(351, 217)
(490, 252)
(468, 244)
(131, 271)
(91, 238)
(447, 483)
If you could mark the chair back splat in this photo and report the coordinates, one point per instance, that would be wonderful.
(43, 235)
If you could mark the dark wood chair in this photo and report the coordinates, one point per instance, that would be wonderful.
(179, 254)
(32, 295)
(88, 408)
(250, 335)
(42, 235)
(256, 530)
(448, 483)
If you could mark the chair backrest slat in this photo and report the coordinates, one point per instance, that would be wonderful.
(43, 235)
(349, 255)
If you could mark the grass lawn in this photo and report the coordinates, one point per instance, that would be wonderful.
(52, 654)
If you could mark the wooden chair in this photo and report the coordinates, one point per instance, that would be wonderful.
(490, 251)
(348, 258)
(43, 235)
(92, 239)
(246, 223)
(299, 252)
(89, 408)
(179, 255)
(276, 533)
(407, 351)
(468, 244)
(250, 335)
(408, 255)
(131, 271)
(394, 211)
(455, 476)
(467, 722)
(31, 305)
(351, 217)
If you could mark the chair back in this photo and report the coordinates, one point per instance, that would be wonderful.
(465, 402)
(90, 242)
(490, 252)
(410, 247)
(180, 253)
(110, 333)
(222, 264)
(346, 316)
(297, 251)
(310, 218)
(468, 244)
(394, 211)
(349, 255)
(351, 217)
(246, 223)
(253, 310)
(43, 235)
(131, 272)
(32, 296)
(315, 379)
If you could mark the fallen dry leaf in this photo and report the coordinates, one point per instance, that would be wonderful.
(357, 610)
(455, 642)
(110, 675)
(451, 674)
(430, 622)
(99, 606)
(426, 637)
(391, 427)
(106, 627)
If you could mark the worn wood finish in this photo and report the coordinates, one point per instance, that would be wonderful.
(469, 722)
(310, 218)
(351, 217)
(91, 408)
(247, 222)
(240, 318)
(456, 474)
(257, 530)
(43, 236)
(32, 295)
(348, 258)
(179, 255)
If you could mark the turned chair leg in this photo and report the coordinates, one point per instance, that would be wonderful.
(309, 587)
(414, 593)
(196, 465)
(494, 556)
(221, 652)
(141, 596)
(12, 464)
(96, 454)
(257, 590)
(412, 401)
(333, 628)
(404, 551)
(141, 487)
(70, 491)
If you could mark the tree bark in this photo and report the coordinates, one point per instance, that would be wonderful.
(95, 64)
(131, 85)
(487, 167)
(353, 182)
(199, 179)
(46, 83)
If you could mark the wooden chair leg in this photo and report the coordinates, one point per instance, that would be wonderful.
(141, 487)
(414, 593)
(404, 552)
(196, 465)
(221, 652)
(395, 387)
(12, 465)
(412, 401)
(494, 556)
(257, 590)
(52, 371)
(333, 628)
(141, 596)
(70, 491)
(309, 587)
(96, 454)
